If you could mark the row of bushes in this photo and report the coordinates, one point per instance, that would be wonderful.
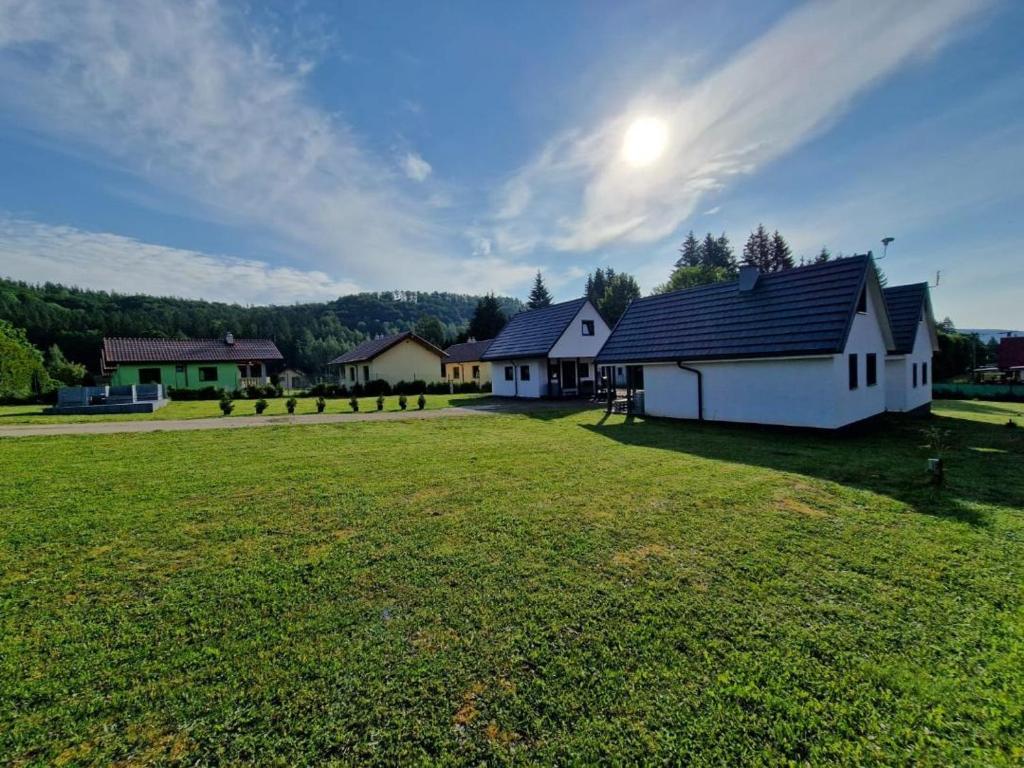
(1002, 397)
(227, 405)
(381, 387)
(216, 393)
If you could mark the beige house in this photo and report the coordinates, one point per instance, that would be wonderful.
(462, 363)
(402, 357)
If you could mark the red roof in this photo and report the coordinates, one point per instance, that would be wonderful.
(1011, 352)
(116, 351)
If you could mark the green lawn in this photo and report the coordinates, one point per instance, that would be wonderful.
(563, 588)
(200, 409)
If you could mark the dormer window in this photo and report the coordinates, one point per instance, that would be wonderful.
(862, 302)
(588, 327)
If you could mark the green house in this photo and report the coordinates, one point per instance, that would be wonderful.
(227, 363)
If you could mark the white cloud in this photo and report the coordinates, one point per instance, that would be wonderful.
(38, 252)
(415, 167)
(203, 107)
(785, 87)
(713, 211)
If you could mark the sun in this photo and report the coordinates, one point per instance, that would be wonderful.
(645, 141)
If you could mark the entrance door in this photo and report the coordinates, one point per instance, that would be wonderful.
(568, 374)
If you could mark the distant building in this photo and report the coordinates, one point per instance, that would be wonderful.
(401, 357)
(1010, 357)
(226, 363)
(290, 378)
(548, 352)
(908, 366)
(463, 364)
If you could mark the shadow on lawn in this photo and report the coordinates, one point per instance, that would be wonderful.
(888, 457)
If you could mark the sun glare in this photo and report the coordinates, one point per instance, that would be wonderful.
(645, 141)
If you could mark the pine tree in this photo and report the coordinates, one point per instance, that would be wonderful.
(621, 290)
(724, 257)
(781, 255)
(539, 296)
(600, 283)
(690, 252)
(823, 256)
(488, 319)
(758, 250)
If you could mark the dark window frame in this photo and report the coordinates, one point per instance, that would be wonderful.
(862, 301)
(456, 372)
(510, 373)
(366, 373)
(587, 327)
(582, 371)
(476, 371)
(871, 369)
(146, 376)
(853, 371)
(524, 373)
(924, 374)
(913, 368)
(204, 371)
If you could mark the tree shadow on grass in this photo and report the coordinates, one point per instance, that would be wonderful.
(888, 457)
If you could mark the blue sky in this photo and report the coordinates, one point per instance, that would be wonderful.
(233, 151)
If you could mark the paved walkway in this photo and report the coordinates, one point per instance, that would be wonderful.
(239, 422)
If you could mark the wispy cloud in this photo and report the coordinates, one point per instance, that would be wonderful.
(578, 194)
(198, 103)
(114, 263)
(415, 167)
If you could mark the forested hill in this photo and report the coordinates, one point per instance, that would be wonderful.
(308, 335)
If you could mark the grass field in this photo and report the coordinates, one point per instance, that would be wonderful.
(203, 409)
(557, 588)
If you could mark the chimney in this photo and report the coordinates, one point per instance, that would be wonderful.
(748, 278)
(229, 339)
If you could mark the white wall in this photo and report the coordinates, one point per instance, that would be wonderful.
(795, 392)
(572, 342)
(535, 387)
(900, 393)
(865, 337)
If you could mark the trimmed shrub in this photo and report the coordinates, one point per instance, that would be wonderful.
(206, 393)
(380, 402)
(421, 401)
(290, 404)
(261, 406)
(354, 403)
(377, 387)
(327, 390)
(227, 405)
(320, 405)
(414, 387)
(403, 401)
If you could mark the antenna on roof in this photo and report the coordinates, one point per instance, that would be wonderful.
(885, 247)
(938, 278)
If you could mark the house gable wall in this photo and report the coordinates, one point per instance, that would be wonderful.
(572, 343)
(900, 392)
(866, 336)
(407, 360)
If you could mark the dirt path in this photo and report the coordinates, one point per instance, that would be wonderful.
(239, 422)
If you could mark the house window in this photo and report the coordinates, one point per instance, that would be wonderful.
(476, 371)
(914, 369)
(924, 373)
(862, 302)
(456, 372)
(351, 373)
(208, 373)
(584, 371)
(524, 373)
(853, 371)
(509, 373)
(366, 373)
(588, 327)
(620, 371)
(149, 375)
(179, 369)
(871, 369)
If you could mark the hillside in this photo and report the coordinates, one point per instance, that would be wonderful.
(308, 335)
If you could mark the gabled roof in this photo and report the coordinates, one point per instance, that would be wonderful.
(802, 311)
(119, 350)
(533, 333)
(372, 348)
(1010, 353)
(467, 352)
(906, 305)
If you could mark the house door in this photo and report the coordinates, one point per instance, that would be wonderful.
(568, 374)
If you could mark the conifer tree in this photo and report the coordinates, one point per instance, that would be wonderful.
(690, 253)
(539, 296)
(758, 250)
(488, 319)
(781, 255)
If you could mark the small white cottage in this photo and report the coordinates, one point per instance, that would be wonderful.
(908, 374)
(548, 352)
(803, 347)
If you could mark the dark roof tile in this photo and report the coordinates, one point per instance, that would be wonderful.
(533, 333)
(467, 351)
(801, 311)
(118, 350)
(905, 304)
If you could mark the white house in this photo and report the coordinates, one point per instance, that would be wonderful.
(908, 374)
(548, 352)
(803, 347)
